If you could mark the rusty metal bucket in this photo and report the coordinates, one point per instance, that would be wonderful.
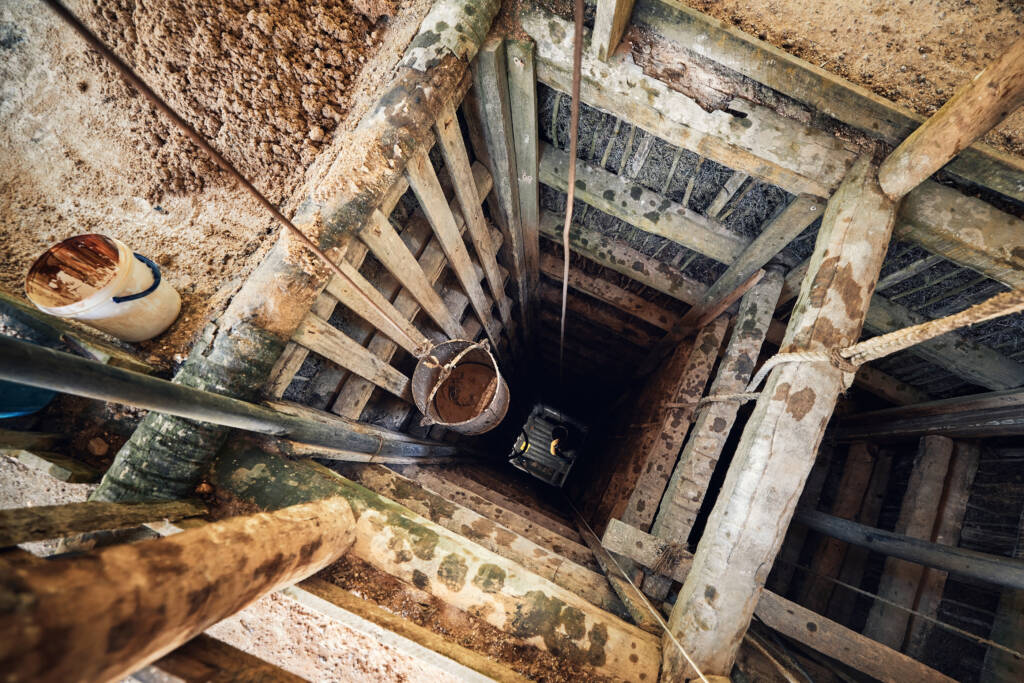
(458, 386)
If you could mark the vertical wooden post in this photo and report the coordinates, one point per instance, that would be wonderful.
(778, 445)
(494, 114)
(947, 532)
(888, 624)
(105, 614)
(711, 428)
(828, 558)
(609, 25)
(1007, 629)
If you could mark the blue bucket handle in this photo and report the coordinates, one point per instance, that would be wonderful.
(149, 290)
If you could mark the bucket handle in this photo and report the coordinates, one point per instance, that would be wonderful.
(447, 368)
(149, 290)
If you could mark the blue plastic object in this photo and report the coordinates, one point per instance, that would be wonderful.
(19, 399)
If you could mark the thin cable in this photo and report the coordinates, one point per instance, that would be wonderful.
(574, 129)
(941, 624)
(193, 135)
(650, 608)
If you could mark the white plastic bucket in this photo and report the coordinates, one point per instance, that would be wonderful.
(98, 280)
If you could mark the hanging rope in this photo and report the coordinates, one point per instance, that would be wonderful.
(849, 359)
(200, 142)
(574, 129)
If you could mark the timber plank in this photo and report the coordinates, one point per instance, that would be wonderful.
(609, 24)
(58, 466)
(205, 659)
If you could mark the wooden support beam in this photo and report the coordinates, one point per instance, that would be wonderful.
(610, 23)
(828, 558)
(785, 564)
(124, 606)
(446, 565)
(660, 460)
(453, 148)
(641, 208)
(494, 536)
(817, 88)
(620, 325)
(841, 643)
(522, 87)
(623, 258)
(713, 422)
(728, 191)
(977, 106)
(952, 508)
(425, 185)
(383, 240)
(886, 623)
(781, 438)
(491, 110)
(762, 147)
(999, 413)
(646, 549)
(22, 525)
(356, 392)
(608, 292)
(1008, 629)
(60, 467)
(324, 339)
(205, 659)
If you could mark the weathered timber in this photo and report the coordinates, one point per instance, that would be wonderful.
(608, 292)
(828, 558)
(841, 643)
(60, 467)
(713, 422)
(383, 240)
(609, 24)
(887, 623)
(237, 352)
(489, 108)
(319, 336)
(22, 319)
(494, 536)
(660, 460)
(119, 608)
(668, 559)
(528, 527)
(999, 413)
(399, 633)
(993, 569)
(817, 88)
(638, 436)
(428, 191)
(641, 208)
(976, 363)
(907, 272)
(36, 366)
(1008, 629)
(785, 564)
(888, 387)
(456, 158)
(21, 525)
(205, 659)
(463, 574)
(977, 106)
(623, 258)
(620, 325)
(522, 87)
(640, 610)
(952, 507)
(781, 438)
(356, 391)
(11, 438)
(763, 147)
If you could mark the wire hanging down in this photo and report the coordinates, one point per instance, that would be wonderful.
(574, 130)
(193, 135)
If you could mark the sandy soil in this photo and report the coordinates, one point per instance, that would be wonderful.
(913, 52)
(22, 486)
(82, 153)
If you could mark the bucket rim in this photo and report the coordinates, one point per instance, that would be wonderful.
(125, 256)
(469, 345)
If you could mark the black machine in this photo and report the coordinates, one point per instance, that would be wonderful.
(548, 445)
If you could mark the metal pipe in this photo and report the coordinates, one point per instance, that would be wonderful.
(993, 569)
(36, 366)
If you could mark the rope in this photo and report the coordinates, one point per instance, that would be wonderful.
(850, 359)
(574, 130)
(949, 627)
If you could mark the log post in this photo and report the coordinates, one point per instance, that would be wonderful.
(975, 108)
(107, 613)
(777, 449)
